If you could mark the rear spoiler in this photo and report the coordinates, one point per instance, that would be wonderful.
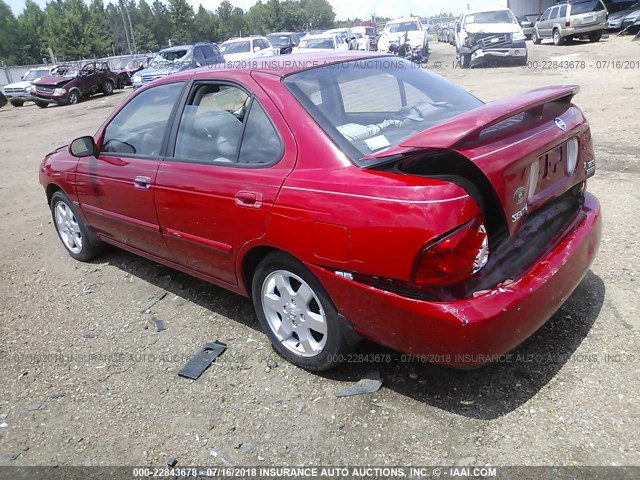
(452, 132)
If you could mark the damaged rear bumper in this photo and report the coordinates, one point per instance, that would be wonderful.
(474, 331)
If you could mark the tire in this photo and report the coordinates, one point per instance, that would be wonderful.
(557, 38)
(289, 319)
(17, 102)
(107, 88)
(41, 104)
(73, 97)
(464, 59)
(71, 230)
(535, 38)
(595, 36)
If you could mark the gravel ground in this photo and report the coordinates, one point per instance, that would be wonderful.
(87, 379)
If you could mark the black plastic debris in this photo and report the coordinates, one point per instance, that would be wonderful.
(371, 383)
(172, 461)
(201, 360)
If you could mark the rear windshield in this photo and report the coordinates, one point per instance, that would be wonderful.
(368, 105)
(586, 7)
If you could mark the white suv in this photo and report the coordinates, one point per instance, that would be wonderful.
(245, 48)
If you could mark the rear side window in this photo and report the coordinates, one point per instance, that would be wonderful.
(139, 128)
(222, 124)
(563, 11)
(555, 12)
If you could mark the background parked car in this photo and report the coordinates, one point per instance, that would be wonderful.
(245, 48)
(321, 42)
(629, 22)
(19, 92)
(347, 36)
(404, 30)
(285, 41)
(176, 59)
(69, 84)
(367, 31)
(616, 19)
(573, 19)
(489, 35)
(527, 23)
(126, 67)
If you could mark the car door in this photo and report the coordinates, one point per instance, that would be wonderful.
(543, 25)
(116, 189)
(231, 153)
(198, 56)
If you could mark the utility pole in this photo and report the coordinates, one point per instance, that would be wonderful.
(124, 24)
(133, 38)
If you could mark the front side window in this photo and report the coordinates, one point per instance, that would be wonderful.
(139, 128)
(546, 14)
(222, 124)
(555, 12)
(367, 105)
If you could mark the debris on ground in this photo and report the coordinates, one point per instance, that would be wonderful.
(35, 406)
(172, 461)
(154, 299)
(202, 359)
(159, 325)
(371, 383)
(299, 406)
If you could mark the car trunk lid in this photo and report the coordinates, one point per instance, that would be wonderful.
(519, 144)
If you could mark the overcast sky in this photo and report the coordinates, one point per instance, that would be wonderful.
(346, 8)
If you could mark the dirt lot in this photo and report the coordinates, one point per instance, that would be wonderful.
(86, 379)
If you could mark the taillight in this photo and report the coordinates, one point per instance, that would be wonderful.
(567, 23)
(454, 257)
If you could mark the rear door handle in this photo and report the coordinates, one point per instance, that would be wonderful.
(142, 182)
(249, 199)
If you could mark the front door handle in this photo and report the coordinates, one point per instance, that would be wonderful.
(142, 182)
(249, 199)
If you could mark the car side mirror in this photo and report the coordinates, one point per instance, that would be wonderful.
(256, 49)
(83, 147)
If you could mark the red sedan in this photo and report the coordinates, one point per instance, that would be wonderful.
(350, 195)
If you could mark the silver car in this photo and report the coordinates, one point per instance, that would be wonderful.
(572, 19)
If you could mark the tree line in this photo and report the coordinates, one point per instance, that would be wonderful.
(73, 29)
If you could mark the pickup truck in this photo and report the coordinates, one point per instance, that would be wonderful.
(404, 30)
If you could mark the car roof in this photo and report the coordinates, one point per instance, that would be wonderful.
(404, 19)
(282, 33)
(178, 47)
(321, 35)
(280, 65)
(483, 10)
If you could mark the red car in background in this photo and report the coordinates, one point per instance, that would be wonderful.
(349, 195)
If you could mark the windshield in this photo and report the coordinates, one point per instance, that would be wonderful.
(402, 27)
(368, 105)
(33, 74)
(586, 7)
(499, 16)
(171, 58)
(317, 43)
(279, 40)
(358, 35)
(67, 72)
(235, 47)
